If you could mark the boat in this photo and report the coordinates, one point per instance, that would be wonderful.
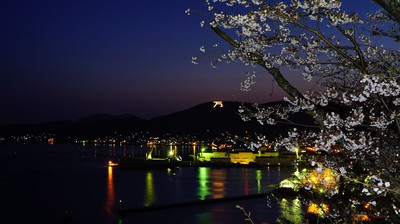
(112, 164)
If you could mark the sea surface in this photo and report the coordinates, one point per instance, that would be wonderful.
(41, 183)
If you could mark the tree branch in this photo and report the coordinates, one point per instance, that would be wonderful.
(282, 82)
(356, 45)
(318, 114)
(392, 7)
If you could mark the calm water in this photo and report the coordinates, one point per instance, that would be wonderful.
(41, 183)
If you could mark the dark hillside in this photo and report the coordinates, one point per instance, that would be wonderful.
(201, 120)
(98, 125)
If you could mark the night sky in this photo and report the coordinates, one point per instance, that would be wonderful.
(64, 60)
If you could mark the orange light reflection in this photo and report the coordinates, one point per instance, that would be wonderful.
(110, 199)
(218, 178)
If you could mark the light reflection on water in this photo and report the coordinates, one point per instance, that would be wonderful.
(259, 177)
(110, 199)
(150, 195)
(69, 177)
(203, 189)
(211, 183)
(218, 180)
(189, 184)
(291, 210)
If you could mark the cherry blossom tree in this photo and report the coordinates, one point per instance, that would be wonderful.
(355, 60)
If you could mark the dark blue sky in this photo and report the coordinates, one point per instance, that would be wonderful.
(70, 59)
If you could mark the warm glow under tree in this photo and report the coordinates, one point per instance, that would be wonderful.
(355, 59)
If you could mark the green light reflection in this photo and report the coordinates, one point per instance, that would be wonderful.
(149, 194)
(291, 210)
(202, 178)
(259, 177)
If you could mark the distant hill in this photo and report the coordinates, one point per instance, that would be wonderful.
(207, 120)
(97, 125)
(203, 119)
(100, 125)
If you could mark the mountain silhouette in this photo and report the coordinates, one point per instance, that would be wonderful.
(204, 119)
(97, 125)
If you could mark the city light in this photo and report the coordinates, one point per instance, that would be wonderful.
(321, 209)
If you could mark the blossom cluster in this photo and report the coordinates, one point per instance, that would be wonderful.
(355, 61)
